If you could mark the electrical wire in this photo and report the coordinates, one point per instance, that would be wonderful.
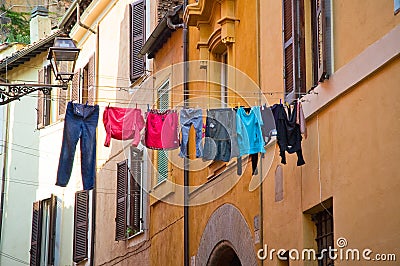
(13, 258)
(319, 170)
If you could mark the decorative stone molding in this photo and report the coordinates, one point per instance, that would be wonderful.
(200, 15)
(223, 226)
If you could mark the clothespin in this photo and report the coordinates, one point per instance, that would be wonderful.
(86, 103)
(136, 105)
(108, 105)
(280, 101)
(148, 107)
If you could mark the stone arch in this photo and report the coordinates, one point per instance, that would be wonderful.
(222, 232)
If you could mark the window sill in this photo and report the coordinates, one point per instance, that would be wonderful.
(135, 235)
(162, 190)
(137, 239)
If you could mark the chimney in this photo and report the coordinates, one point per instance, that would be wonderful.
(40, 24)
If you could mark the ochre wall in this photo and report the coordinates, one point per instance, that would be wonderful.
(356, 161)
(241, 56)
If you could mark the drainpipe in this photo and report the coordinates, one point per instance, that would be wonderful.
(169, 16)
(3, 176)
(186, 160)
(260, 94)
(94, 191)
(78, 20)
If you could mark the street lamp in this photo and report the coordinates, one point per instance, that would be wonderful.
(63, 57)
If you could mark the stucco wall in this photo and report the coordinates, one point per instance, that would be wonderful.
(350, 151)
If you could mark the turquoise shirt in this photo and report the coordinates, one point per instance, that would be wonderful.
(248, 127)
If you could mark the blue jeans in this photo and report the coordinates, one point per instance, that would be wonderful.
(187, 118)
(80, 123)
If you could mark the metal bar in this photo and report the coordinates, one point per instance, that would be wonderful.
(32, 85)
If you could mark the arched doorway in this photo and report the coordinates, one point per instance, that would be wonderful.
(221, 244)
(224, 255)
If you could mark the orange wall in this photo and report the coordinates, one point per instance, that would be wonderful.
(357, 134)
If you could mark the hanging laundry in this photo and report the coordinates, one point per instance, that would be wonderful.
(123, 124)
(301, 120)
(268, 126)
(220, 138)
(248, 129)
(80, 123)
(190, 117)
(161, 130)
(288, 132)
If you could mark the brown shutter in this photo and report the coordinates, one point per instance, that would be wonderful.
(36, 234)
(137, 32)
(81, 225)
(135, 188)
(320, 39)
(47, 98)
(75, 86)
(288, 22)
(62, 103)
(293, 47)
(52, 229)
(91, 80)
(62, 98)
(122, 191)
(40, 104)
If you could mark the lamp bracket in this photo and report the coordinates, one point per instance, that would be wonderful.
(10, 92)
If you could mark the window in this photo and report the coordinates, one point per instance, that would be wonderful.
(137, 38)
(324, 222)
(299, 19)
(129, 214)
(81, 226)
(162, 155)
(224, 80)
(83, 86)
(44, 101)
(50, 107)
(43, 238)
(321, 31)
(396, 6)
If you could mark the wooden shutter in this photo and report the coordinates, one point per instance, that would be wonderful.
(122, 191)
(137, 37)
(62, 103)
(52, 229)
(40, 103)
(36, 234)
(62, 98)
(91, 80)
(288, 45)
(75, 86)
(135, 188)
(293, 46)
(320, 19)
(81, 211)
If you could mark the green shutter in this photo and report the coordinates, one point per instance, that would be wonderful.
(162, 157)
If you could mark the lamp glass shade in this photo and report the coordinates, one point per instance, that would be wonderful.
(63, 56)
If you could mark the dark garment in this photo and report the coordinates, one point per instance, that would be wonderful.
(269, 123)
(220, 137)
(190, 117)
(80, 123)
(288, 133)
(254, 163)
